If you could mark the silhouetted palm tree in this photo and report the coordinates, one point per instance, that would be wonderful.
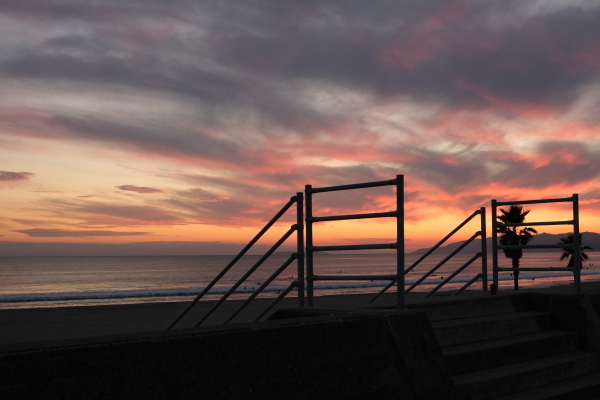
(568, 252)
(513, 235)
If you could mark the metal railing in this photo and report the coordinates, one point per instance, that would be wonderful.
(399, 245)
(298, 256)
(575, 246)
(482, 254)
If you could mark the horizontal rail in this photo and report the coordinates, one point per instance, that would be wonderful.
(466, 221)
(472, 281)
(431, 271)
(509, 203)
(537, 223)
(266, 283)
(534, 246)
(458, 271)
(354, 247)
(292, 200)
(353, 277)
(248, 273)
(353, 186)
(354, 216)
(536, 269)
(276, 300)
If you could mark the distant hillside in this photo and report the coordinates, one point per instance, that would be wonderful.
(591, 239)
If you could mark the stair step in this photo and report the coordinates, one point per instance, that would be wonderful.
(512, 379)
(466, 308)
(492, 353)
(585, 387)
(466, 330)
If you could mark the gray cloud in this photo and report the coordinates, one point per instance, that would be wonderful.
(139, 189)
(246, 52)
(7, 176)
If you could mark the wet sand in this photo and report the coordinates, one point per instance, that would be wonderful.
(43, 324)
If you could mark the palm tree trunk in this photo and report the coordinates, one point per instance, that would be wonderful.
(515, 264)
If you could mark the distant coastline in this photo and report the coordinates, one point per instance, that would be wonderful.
(591, 239)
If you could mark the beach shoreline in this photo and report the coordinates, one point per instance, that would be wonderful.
(67, 323)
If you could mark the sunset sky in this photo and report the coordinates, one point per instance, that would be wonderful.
(195, 121)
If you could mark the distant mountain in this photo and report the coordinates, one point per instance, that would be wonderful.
(591, 239)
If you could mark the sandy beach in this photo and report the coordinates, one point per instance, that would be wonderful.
(66, 323)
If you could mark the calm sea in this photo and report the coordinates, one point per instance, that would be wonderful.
(31, 282)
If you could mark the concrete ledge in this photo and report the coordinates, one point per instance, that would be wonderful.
(351, 356)
(576, 312)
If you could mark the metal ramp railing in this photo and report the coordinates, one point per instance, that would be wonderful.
(399, 245)
(482, 254)
(575, 245)
(298, 256)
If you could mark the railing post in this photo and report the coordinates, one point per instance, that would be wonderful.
(300, 246)
(483, 251)
(309, 246)
(494, 245)
(400, 239)
(576, 245)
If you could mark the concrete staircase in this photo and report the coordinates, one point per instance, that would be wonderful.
(498, 348)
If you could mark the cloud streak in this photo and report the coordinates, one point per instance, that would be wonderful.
(40, 232)
(7, 176)
(139, 189)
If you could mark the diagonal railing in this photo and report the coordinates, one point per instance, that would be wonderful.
(298, 256)
(482, 254)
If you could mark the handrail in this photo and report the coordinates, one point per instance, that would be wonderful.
(458, 271)
(353, 277)
(355, 186)
(575, 245)
(247, 274)
(448, 236)
(475, 278)
(459, 248)
(537, 223)
(277, 300)
(299, 227)
(354, 216)
(482, 254)
(377, 246)
(261, 287)
(527, 269)
(535, 246)
(511, 203)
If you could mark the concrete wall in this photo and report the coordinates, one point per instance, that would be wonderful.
(342, 356)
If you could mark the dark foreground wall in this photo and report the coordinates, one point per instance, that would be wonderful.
(365, 356)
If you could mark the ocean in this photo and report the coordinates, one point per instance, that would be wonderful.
(34, 282)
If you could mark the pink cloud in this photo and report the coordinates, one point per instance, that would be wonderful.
(140, 189)
(15, 176)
